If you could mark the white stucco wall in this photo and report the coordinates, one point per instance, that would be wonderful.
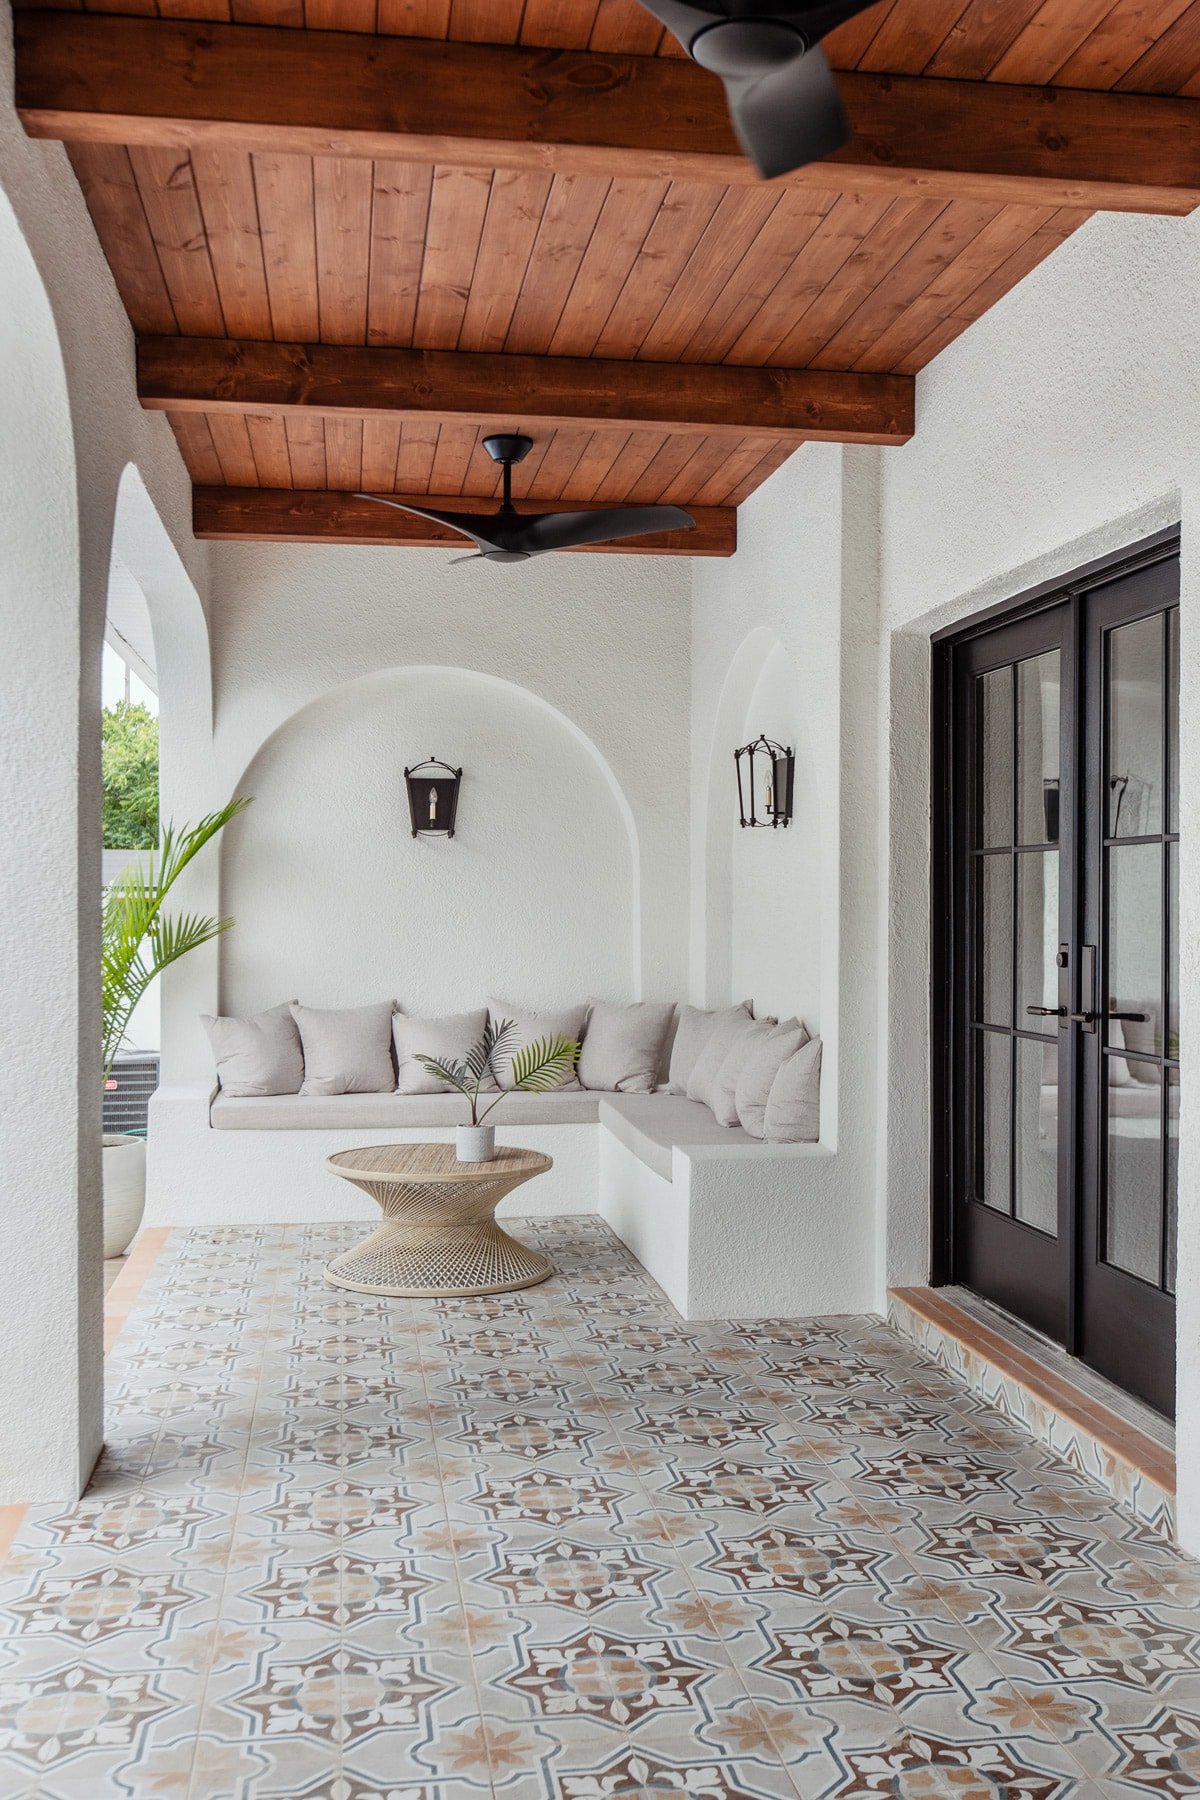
(1061, 427)
(55, 548)
(785, 641)
(533, 900)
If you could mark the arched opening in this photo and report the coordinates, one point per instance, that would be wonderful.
(154, 607)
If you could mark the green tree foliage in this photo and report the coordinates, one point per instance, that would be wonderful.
(129, 761)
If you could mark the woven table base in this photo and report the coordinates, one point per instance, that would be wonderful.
(438, 1236)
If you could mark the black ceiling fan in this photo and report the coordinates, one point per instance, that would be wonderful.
(509, 536)
(783, 100)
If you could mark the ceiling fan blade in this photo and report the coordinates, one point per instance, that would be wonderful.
(471, 556)
(467, 523)
(540, 532)
(791, 117)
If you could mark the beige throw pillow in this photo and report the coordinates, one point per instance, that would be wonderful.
(566, 1022)
(728, 1030)
(448, 1039)
(623, 1046)
(757, 1072)
(692, 1033)
(257, 1056)
(348, 1050)
(723, 1086)
(793, 1114)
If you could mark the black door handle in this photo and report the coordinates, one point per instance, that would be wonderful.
(1135, 1018)
(1047, 1012)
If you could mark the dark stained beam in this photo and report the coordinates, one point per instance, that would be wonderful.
(181, 374)
(101, 78)
(295, 516)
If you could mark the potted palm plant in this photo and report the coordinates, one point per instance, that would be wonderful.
(536, 1069)
(138, 941)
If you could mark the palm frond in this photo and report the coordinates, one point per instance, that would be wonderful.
(541, 1066)
(138, 940)
(479, 1056)
(453, 1074)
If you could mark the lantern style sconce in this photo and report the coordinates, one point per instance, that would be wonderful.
(766, 777)
(433, 797)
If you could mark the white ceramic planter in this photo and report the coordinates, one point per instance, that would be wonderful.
(475, 1143)
(124, 1191)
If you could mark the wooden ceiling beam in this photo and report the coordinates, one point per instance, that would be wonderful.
(101, 78)
(295, 516)
(219, 375)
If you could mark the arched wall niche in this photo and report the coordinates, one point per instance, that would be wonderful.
(536, 899)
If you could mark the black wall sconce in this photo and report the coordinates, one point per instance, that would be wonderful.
(766, 777)
(433, 797)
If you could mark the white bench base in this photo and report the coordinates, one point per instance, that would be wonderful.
(738, 1230)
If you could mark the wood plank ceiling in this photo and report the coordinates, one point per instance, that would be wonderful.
(220, 242)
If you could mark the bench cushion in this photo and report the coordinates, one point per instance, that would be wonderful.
(369, 1112)
(652, 1124)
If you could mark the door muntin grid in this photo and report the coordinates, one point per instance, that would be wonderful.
(1015, 901)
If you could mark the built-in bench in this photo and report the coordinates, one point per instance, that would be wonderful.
(729, 1226)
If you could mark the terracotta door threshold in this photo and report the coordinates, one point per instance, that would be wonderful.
(1102, 1432)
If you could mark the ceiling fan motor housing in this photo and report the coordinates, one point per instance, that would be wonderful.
(743, 49)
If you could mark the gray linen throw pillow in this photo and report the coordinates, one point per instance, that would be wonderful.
(728, 1030)
(566, 1022)
(692, 1033)
(793, 1113)
(623, 1045)
(448, 1039)
(722, 1098)
(347, 1051)
(757, 1074)
(256, 1056)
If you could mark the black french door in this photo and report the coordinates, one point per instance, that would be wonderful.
(1056, 964)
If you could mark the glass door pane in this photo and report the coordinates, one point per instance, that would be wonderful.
(1139, 952)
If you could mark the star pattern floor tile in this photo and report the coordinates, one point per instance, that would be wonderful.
(561, 1543)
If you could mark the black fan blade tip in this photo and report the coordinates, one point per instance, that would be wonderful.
(790, 118)
(600, 525)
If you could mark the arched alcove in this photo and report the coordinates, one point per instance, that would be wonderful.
(535, 899)
(50, 1397)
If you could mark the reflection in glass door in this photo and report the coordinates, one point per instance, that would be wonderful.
(1131, 1057)
(1058, 1020)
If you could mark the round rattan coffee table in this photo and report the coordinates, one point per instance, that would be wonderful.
(438, 1235)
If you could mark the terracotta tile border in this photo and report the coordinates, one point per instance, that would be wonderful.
(1114, 1434)
(119, 1299)
(147, 1248)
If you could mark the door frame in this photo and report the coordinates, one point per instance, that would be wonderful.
(944, 947)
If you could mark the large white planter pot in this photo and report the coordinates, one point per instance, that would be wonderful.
(124, 1191)
(475, 1143)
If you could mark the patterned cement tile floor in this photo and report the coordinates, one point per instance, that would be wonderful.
(563, 1543)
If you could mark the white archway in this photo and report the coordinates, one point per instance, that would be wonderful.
(187, 767)
(50, 1397)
